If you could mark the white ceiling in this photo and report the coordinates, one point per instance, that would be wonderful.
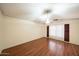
(31, 11)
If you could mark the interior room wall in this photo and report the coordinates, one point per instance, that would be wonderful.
(17, 31)
(1, 32)
(74, 29)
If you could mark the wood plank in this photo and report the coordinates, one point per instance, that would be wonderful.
(44, 47)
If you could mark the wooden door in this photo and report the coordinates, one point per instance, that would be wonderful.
(66, 32)
(47, 31)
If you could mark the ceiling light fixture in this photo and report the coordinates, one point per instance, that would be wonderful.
(47, 13)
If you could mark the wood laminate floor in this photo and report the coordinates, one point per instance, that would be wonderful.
(44, 47)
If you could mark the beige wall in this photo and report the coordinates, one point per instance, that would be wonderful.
(74, 29)
(1, 32)
(18, 31)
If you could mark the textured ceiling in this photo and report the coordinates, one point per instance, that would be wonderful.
(35, 12)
